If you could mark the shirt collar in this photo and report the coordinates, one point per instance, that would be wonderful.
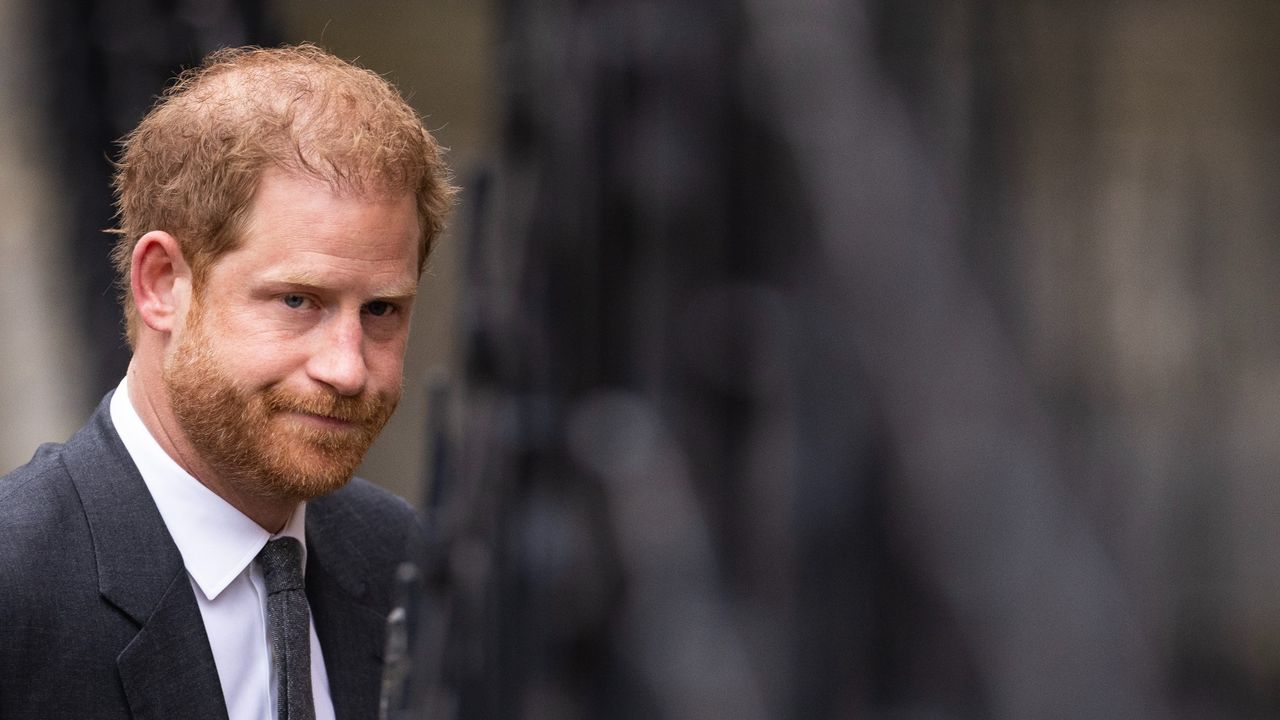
(217, 541)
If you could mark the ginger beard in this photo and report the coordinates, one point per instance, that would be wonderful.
(246, 435)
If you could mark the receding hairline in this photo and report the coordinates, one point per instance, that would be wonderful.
(192, 166)
(305, 92)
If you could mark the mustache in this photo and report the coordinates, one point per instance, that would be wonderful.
(360, 410)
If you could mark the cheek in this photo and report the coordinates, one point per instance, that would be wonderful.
(263, 363)
(386, 367)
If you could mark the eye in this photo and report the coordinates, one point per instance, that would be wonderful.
(379, 308)
(293, 300)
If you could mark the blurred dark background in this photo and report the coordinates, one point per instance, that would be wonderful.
(906, 359)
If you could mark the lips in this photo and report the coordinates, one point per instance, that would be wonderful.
(328, 421)
(325, 408)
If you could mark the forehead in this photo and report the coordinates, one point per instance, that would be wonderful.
(304, 225)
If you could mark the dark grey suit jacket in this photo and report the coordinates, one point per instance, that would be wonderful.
(97, 615)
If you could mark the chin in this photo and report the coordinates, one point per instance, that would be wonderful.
(308, 471)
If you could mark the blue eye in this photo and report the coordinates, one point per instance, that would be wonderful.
(294, 301)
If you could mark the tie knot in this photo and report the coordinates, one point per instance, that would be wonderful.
(281, 562)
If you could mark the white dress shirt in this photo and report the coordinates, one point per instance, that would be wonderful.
(218, 545)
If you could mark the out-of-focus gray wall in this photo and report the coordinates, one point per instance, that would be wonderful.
(40, 356)
(1136, 224)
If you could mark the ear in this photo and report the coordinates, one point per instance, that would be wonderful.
(160, 281)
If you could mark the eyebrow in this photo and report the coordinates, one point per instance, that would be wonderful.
(308, 281)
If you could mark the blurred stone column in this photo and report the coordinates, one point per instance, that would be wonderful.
(41, 368)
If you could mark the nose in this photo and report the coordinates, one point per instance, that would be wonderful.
(339, 360)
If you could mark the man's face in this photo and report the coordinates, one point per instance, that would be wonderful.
(291, 358)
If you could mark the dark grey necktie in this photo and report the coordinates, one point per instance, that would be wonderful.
(290, 627)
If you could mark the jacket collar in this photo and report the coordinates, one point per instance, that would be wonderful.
(167, 671)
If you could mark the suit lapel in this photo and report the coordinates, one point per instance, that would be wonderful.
(348, 614)
(167, 671)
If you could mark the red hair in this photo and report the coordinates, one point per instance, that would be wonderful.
(193, 164)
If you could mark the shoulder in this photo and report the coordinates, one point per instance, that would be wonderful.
(359, 536)
(47, 548)
(375, 520)
(45, 504)
(366, 495)
(37, 497)
(364, 502)
(45, 489)
(56, 623)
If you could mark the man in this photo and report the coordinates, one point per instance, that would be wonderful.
(276, 210)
